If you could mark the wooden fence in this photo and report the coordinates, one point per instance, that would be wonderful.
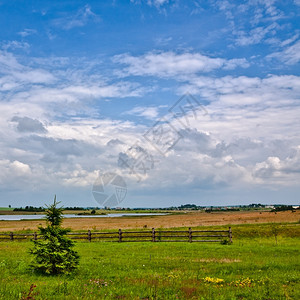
(221, 236)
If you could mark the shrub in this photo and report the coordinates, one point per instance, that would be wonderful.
(53, 252)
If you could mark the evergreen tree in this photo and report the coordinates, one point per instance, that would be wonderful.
(53, 253)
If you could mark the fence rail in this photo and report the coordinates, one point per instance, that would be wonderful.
(223, 236)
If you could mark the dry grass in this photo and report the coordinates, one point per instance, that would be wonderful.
(183, 220)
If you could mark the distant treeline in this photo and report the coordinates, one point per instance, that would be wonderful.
(285, 207)
(30, 209)
(74, 208)
(253, 206)
(172, 208)
(42, 209)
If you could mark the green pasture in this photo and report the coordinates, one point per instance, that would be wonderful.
(262, 263)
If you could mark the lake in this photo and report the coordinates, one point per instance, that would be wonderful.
(39, 217)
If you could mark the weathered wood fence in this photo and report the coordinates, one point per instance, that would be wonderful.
(223, 236)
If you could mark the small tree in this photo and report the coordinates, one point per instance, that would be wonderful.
(275, 231)
(53, 253)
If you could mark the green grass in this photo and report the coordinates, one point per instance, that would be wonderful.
(6, 209)
(254, 267)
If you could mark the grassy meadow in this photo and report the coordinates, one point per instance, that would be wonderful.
(262, 263)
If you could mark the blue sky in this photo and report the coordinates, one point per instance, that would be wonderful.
(84, 83)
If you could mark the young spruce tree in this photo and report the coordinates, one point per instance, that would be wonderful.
(53, 252)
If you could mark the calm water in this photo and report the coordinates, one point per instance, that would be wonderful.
(38, 217)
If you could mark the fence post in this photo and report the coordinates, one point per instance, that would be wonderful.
(11, 236)
(89, 236)
(190, 234)
(153, 234)
(230, 235)
(35, 236)
(120, 235)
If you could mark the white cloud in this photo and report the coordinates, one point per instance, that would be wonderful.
(163, 41)
(290, 56)
(170, 64)
(290, 40)
(36, 145)
(8, 62)
(80, 178)
(79, 19)
(27, 32)
(280, 171)
(30, 91)
(256, 35)
(147, 112)
(297, 2)
(270, 91)
(26, 124)
(12, 45)
(249, 120)
(192, 165)
(20, 168)
(14, 173)
(253, 22)
(156, 3)
(226, 147)
(192, 171)
(13, 71)
(120, 90)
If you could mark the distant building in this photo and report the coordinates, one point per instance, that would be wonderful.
(270, 206)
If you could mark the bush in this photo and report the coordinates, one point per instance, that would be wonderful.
(53, 253)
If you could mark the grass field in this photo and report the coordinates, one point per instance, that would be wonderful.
(5, 209)
(262, 263)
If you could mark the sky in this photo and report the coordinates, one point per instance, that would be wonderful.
(182, 101)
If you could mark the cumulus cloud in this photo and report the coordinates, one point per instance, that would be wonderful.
(20, 168)
(26, 124)
(68, 151)
(114, 142)
(80, 178)
(279, 171)
(192, 169)
(14, 173)
(250, 122)
(205, 160)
